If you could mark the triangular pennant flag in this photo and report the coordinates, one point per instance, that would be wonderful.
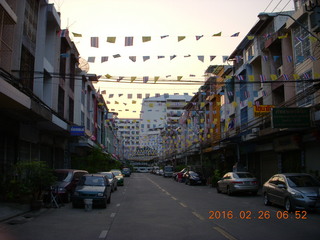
(133, 58)
(296, 76)
(187, 55)
(108, 76)
(160, 57)
(235, 34)
(164, 36)
(145, 79)
(156, 79)
(250, 37)
(134, 101)
(198, 37)
(146, 39)
(63, 33)
(273, 77)
(180, 38)
(128, 41)
(172, 57)
(217, 34)
(212, 57)
(116, 55)
(111, 39)
(104, 59)
(224, 58)
(312, 39)
(77, 34)
(145, 58)
(283, 36)
(179, 78)
(201, 58)
(132, 79)
(95, 42)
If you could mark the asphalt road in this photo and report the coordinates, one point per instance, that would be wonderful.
(153, 207)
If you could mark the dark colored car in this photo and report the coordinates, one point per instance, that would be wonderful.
(193, 178)
(112, 180)
(67, 180)
(292, 191)
(95, 187)
(233, 182)
(126, 172)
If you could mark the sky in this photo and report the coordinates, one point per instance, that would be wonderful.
(156, 18)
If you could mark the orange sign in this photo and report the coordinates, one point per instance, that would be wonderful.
(262, 109)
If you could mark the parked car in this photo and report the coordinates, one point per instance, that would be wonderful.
(233, 182)
(112, 180)
(167, 171)
(67, 180)
(193, 178)
(292, 191)
(92, 186)
(126, 172)
(119, 176)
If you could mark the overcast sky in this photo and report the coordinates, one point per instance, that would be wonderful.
(155, 18)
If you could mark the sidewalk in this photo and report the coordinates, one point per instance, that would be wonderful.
(10, 210)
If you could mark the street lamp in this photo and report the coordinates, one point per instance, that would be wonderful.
(264, 16)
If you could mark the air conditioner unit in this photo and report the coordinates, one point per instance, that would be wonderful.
(279, 71)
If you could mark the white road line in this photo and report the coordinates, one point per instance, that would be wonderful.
(182, 204)
(224, 233)
(174, 198)
(113, 215)
(103, 234)
(198, 216)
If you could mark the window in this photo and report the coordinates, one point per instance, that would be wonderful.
(244, 115)
(302, 86)
(30, 20)
(301, 42)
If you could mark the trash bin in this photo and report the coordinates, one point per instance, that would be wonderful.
(88, 204)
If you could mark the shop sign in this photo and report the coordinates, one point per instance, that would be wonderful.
(291, 117)
(262, 110)
(77, 131)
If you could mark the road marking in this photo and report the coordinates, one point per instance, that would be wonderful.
(103, 234)
(118, 205)
(182, 204)
(174, 198)
(224, 233)
(113, 215)
(198, 216)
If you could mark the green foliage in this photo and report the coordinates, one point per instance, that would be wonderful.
(95, 161)
(30, 180)
(217, 175)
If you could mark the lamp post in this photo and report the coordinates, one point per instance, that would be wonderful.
(264, 16)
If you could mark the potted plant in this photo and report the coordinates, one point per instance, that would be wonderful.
(34, 178)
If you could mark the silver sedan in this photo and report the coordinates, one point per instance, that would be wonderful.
(233, 182)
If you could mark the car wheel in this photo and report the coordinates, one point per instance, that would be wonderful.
(288, 206)
(229, 192)
(109, 199)
(266, 199)
(104, 205)
(218, 189)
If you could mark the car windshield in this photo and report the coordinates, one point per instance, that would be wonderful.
(168, 169)
(63, 176)
(116, 173)
(91, 181)
(244, 175)
(109, 175)
(193, 174)
(302, 181)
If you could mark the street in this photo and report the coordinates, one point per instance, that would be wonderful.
(153, 207)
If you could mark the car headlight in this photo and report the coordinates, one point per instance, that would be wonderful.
(61, 189)
(100, 194)
(296, 195)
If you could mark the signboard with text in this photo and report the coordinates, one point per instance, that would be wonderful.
(262, 110)
(291, 117)
(77, 131)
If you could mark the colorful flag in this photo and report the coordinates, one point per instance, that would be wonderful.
(172, 57)
(111, 39)
(145, 79)
(265, 58)
(146, 39)
(145, 58)
(132, 79)
(156, 79)
(104, 59)
(77, 34)
(116, 55)
(160, 57)
(263, 78)
(179, 78)
(128, 41)
(180, 38)
(198, 37)
(225, 58)
(64, 55)
(91, 59)
(164, 36)
(235, 34)
(95, 42)
(217, 34)
(63, 33)
(133, 58)
(187, 55)
(250, 37)
(212, 57)
(289, 59)
(201, 58)
(283, 36)
(273, 77)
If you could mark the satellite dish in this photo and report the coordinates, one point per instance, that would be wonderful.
(83, 65)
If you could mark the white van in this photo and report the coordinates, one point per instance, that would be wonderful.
(168, 171)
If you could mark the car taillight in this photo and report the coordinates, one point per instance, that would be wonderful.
(254, 182)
